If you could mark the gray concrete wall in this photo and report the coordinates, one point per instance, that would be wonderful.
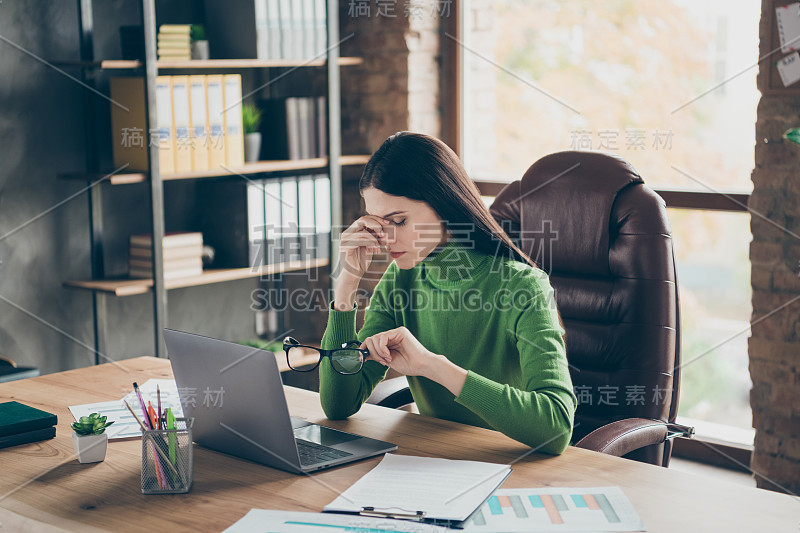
(41, 134)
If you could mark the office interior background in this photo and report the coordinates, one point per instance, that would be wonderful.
(684, 91)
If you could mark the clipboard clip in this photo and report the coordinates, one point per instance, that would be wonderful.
(417, 516)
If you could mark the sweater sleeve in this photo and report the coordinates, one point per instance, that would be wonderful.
(541, 414)
(342, 395)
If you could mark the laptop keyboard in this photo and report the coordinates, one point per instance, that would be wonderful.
(312, 453)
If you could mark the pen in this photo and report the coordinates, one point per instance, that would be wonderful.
(171, 438)
(151, 413)
(141, 404)
(158, 395)
(418, 516)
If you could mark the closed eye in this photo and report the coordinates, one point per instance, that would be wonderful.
(399, 223)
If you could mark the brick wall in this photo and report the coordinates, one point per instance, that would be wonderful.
(395, 89)
(774, 345)
(397, 86)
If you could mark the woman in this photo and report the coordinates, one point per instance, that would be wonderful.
(461, 311)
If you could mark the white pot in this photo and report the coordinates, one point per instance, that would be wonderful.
(252, 147)
(90, 448)
(199, 50)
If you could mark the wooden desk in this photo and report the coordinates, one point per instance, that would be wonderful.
(43, 488)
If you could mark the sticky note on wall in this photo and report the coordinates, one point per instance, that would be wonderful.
(789, 69)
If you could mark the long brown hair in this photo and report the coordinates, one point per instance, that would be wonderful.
(423, 168)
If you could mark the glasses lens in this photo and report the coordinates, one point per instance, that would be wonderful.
(299, 358)
(346, 361)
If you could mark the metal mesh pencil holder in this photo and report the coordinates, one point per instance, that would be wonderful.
(168, 459)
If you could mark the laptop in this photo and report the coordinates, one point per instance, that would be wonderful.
(235, 394)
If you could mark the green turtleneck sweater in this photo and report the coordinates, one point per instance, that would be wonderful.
(495, 318)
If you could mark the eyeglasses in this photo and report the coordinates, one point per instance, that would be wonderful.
(345, 360)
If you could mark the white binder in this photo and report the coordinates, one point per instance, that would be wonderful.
(307, 225)
(164, 126)
(198, 122)
(256, 222)
(290, 219)
(322, 215)
(234, 136)
(181, 121)
(216, 121)
(272, 212)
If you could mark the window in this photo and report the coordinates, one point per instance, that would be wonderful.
(667, 85)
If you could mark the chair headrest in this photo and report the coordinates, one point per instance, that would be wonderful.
(557, 204)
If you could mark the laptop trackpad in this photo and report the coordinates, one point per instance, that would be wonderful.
(323, 435)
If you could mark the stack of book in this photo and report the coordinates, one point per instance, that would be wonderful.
(174, 42)
(20, 424)
(183, 255)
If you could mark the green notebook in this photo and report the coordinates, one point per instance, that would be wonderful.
(29, 436)
(19, 418)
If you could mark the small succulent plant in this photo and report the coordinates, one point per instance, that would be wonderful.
(94, 424)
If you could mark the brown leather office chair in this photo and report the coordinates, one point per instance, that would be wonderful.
(603, 236)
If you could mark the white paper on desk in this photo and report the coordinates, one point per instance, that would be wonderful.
(125, 426)
(444, 489)
(555, 509)
(261, 520)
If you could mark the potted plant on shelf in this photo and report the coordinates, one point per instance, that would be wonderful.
(90, 438)
(251, 119)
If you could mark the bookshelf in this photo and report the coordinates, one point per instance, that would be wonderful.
(258, 167)
(130, 287)
(103, 287)
(121, 64)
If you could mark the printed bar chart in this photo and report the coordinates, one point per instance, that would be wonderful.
(556, 509)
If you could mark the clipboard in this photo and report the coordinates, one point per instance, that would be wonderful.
(421, 516)
(422, 489)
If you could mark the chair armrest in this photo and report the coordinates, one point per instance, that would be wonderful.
(392, 393)
(623, 436)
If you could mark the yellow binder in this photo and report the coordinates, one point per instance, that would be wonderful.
(180, 119)
(198, 122)
(216, 121)
(234, 136)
